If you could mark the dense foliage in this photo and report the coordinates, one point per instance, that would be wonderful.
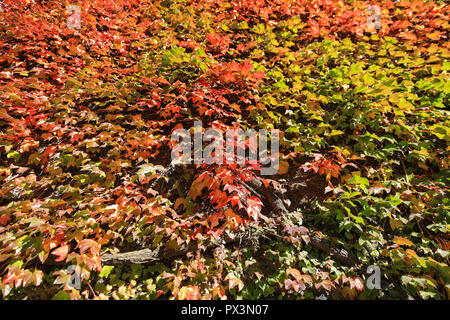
(85, 123)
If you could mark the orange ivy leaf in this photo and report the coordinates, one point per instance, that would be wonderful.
(61, 252)
(402, 241)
